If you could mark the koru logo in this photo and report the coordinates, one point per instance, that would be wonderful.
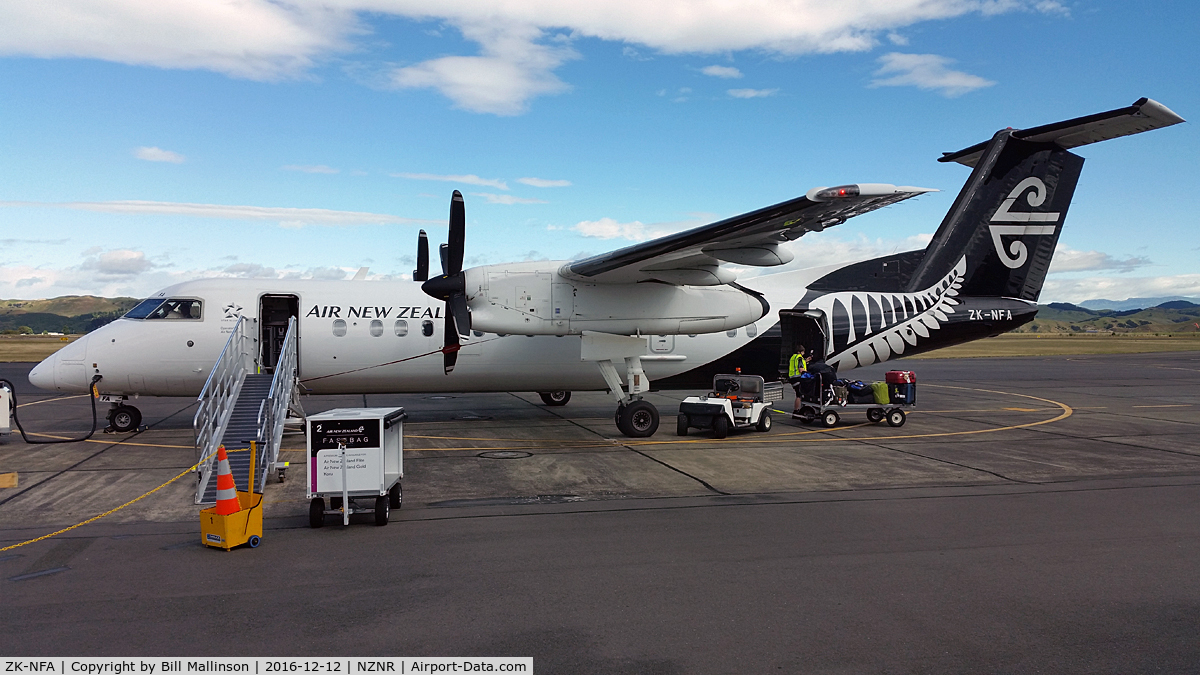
(233, 310)
(1005, 214)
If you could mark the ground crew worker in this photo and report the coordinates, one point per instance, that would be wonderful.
(796, 366)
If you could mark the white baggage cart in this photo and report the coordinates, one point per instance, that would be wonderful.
(355, 454)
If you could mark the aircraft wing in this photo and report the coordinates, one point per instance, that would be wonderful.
(694, 257)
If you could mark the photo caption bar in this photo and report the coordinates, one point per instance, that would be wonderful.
(395, 665)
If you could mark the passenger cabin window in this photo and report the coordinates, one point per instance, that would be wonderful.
(376, 328)
(339, 328)
(427, 328)
(401, 328)
(751, 330)
(175, 309)
(731, 333)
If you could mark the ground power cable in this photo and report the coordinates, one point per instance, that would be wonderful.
(13, 411)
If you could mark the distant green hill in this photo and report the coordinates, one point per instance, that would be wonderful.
(67, 314)
(1174, 317)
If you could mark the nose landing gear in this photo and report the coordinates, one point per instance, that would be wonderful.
(123, 418)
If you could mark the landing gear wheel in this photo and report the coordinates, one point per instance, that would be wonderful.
(681, 426)
(720, 426)
(639, 419)
(875, 415)
(316, 512)
(395, 496)
(254, 541)
(124, 418)
(896, 418)
(764, 421)
(382, 511)
(829, 419)
(555, 397)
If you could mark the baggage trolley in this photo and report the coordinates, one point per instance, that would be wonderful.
(355, 454)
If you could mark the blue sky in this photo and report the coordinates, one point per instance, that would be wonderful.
(145, 142)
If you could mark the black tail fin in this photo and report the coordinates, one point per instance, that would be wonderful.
(1007, 218)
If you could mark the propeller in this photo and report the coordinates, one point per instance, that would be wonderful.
(450, 286)
(422, 271)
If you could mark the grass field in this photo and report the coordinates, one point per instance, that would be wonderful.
(37, 347)
(1026, 344)
(30, 347)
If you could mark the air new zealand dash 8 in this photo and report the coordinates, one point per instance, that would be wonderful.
(665, 311)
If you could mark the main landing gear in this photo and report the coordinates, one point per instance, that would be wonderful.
(635, 417)
(123, 418)
(555, 398)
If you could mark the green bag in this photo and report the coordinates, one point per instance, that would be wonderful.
(880, 391)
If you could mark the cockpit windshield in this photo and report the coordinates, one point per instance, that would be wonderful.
(174, 309)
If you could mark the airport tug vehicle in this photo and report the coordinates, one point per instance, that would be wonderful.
(736, 402)
(355, 454)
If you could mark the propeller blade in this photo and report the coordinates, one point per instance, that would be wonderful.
(457, 307)
(450, 342)
(442, 254)
(458, 234)
(422, 271)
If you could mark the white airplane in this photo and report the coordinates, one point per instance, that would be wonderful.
(667, 310)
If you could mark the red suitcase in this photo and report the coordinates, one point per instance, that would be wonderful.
(900, 377)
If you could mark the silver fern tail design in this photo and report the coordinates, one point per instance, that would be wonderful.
(883, 325)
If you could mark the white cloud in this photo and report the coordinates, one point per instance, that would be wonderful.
(926, 71)
(469, 179)
(268, 40)
(513, 68)
(727, 72)
(310, 168)
(1069, 260)
(118, 263)
(752, 93)
(285, 215)
(507, 199)
(153, 154)
(897, 39)
(544, 182)
(607, 228)
(1119, 288)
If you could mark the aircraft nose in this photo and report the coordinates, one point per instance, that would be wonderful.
(42, 375)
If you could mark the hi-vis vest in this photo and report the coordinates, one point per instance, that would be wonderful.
(797, 365)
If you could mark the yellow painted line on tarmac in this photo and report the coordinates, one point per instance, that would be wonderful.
(1066, 411)
(8, 480)
(1174, 405)
(50, 400)
(129, 443)
(108, 512)
(1024, 409)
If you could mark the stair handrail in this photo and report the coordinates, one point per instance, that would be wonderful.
(217, 399)
(272, 412)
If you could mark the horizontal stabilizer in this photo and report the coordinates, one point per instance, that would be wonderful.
(1143, 115)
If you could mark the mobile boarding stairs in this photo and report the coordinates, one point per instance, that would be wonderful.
(240, 404)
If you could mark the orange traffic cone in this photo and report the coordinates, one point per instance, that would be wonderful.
(227, 499)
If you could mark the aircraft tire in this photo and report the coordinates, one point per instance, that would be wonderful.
(764, 421)
(829, 419)
(720, 426)
(639, 419)
(316, 512)
(395, 496)
(125, 418)
(896, 418)
(555, 398)
(382, 510)
(681, 427)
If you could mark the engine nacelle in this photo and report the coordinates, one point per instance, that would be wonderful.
(533, 299)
